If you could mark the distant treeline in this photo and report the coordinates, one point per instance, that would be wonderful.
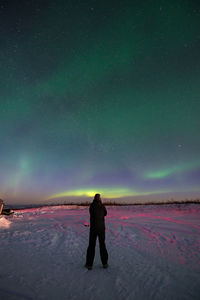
(114, 203)
(108, 203)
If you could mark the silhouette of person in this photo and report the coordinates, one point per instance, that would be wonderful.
(97, 228)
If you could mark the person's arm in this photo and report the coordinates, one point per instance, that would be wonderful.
(105, 211)
(91, 209)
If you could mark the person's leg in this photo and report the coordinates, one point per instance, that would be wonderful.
(91, 248)
(102, 246)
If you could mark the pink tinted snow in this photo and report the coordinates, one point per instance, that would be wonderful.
(154, 253)
(169, 231)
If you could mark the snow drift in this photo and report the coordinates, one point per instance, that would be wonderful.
(4, 223)
(154, 253)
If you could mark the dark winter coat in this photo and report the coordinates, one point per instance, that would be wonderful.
(97, 214)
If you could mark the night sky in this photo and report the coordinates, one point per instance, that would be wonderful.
(99, 96)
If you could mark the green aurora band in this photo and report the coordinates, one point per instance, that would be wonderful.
(99, 96)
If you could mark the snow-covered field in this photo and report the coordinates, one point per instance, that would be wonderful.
(154, 253)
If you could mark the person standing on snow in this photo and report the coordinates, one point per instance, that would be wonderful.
(97, 228)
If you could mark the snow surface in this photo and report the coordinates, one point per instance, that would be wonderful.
(154, 253)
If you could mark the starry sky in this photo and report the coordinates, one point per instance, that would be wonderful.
(99, 96)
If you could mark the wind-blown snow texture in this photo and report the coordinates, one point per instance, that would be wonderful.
(154, 253)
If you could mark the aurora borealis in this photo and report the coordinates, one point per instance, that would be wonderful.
(99, 96)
